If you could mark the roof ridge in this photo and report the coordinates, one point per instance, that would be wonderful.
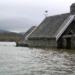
(57, 15)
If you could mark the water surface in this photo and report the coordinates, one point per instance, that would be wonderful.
(35, 61)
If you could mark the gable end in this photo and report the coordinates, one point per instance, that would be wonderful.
(64, 26)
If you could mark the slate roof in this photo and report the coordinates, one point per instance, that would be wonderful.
(22, 40)
(52, 26)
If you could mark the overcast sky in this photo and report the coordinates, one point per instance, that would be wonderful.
(20, 15)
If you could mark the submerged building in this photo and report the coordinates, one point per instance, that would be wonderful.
(55, 31)
(23, 41)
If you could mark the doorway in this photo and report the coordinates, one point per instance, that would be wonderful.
(68, 42)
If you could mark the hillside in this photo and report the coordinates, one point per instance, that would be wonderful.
(2, 31)
(10, 36)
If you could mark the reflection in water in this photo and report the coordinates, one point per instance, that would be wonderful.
(36, 61)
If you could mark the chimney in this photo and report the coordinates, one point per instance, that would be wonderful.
(72, 9)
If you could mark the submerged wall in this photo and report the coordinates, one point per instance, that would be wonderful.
(42, 43)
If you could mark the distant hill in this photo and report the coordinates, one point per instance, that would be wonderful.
(10, 36)
(2, 31)
(21, 32)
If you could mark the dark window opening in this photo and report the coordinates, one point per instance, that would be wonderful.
(68, 41)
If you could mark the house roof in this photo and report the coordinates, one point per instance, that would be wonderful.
(22, 39)
(51, 26)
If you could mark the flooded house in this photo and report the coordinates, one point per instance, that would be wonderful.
(23, 40)
(56, 31)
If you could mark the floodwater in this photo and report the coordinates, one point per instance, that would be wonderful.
(35, 61)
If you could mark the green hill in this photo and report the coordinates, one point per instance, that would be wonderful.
(10, 36)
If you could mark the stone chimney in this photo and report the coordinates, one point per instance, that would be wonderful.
(72, 9)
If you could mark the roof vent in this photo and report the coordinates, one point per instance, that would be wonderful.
(72, 9)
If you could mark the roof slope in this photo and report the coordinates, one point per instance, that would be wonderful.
(49, 27)
(22, 39)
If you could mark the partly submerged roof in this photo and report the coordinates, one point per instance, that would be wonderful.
(52, 26)
(22, 39)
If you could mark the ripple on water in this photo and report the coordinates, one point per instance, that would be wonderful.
(35, 61)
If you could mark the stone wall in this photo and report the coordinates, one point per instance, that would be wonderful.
(72, 42)
(60, 42)
(43, 43)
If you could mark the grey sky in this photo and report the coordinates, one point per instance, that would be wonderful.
(20, 15)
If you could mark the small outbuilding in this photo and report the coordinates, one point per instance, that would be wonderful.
(23, 41)
(56, 31)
